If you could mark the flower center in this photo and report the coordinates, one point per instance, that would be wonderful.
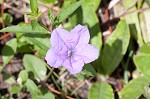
(69, 53)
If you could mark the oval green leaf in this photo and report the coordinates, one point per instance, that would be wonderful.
(142, 62)
(115, 48)
(101, 91)
(145, 49)
(48, 95)
(35, 65)
(89, 70)
(23, 75)
(15, 89)
(9, 50)
(134, 88)
(32, 87)
(7, 18)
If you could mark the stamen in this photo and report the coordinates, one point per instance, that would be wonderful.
(69, 53)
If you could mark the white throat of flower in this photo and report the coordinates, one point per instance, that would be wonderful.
(69, 53)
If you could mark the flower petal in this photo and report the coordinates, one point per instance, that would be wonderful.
(88, 52)
(59, 38)
(73, 66)
(73, 39)
(77, 62)
(83, 34)
(54, 59)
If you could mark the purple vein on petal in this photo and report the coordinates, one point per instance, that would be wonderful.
(62, 39)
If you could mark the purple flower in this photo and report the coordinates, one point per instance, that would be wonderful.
(71, 49)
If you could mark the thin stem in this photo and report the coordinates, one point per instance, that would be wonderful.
(3, 22)
(53, 70)
(55, 82)
(4, 36)
(49, 74)
(126, 67)
(57, 92)
(130, 12)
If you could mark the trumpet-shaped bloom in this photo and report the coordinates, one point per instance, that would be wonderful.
(71, 49)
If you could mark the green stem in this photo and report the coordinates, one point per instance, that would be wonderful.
(49, 74)
(126, 67)
(56, 83)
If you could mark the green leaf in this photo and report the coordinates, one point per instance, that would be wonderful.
(101, 91)
(39, 36)
(8, 78)
(51, 16)
(88, 70)
(23, 44)
(93, 4)
(48, 95)
(41, 41)
(132, 19)
(133, 22)
(35, 65)
(34, 24)
(15, 89)
(32, 87)
(64, 13)
(7, 18)
(142, 62)
(90, 6)
(115, 48)
(134, 88)
(25, 28)
(149, 1)
(9, 50)
(34, 6)
(24, 47)
(146, 92)
(145, 23)
(1, 68)
(75, 18)
(48, 1)
(145, 49)
(139, 3)
(23, 75)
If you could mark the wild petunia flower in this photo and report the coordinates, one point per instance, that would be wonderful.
(71, 49)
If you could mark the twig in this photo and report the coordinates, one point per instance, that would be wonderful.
(132, 5)
(1, 61)
(134, 11)
(107, 16)
(25, 16)
(57, 92)
(119, 84)
(4, 36)
(2, 12)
